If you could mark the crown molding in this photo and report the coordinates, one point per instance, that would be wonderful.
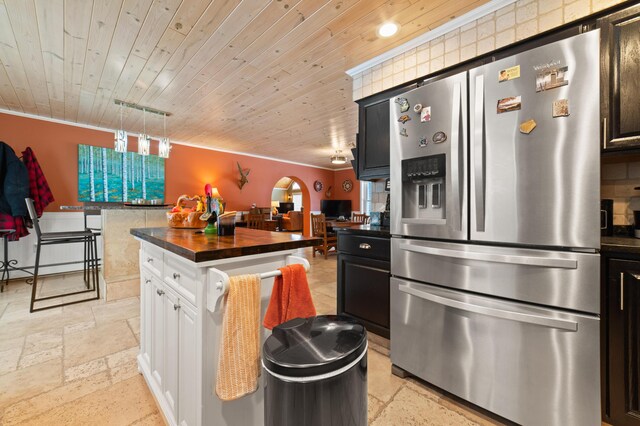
(443, 29)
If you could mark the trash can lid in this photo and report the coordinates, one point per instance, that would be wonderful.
(313, 346)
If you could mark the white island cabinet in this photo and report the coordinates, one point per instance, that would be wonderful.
(179, 328)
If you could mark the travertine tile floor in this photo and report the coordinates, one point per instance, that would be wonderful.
(76, 365)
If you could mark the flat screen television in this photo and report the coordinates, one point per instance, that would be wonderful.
(285, 207)
(336, 208)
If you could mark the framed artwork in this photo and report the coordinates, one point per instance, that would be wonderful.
(109, 176)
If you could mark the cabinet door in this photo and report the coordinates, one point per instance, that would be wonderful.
(157, 332)
(187, 372)
(373, 136)
(146, 299)
(624, 342)
(620, 86)
(363, 291)
(171, 341)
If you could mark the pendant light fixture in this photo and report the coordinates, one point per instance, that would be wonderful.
(144, 141)
(338, 158)
(164, 145)
(120, 140)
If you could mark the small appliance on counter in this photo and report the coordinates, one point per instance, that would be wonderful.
(606, 218)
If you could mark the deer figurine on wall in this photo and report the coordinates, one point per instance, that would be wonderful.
(243, 176)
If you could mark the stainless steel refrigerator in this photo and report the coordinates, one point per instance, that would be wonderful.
(495, 177)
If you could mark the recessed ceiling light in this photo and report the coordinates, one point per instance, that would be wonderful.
(387, 29)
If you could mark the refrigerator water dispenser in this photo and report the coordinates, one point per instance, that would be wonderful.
(424, 188)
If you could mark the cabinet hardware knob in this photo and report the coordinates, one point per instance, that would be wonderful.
(176, 307)
(147, 280)
(150, 259)
(160, 292)
(176, 275)
(365, 246)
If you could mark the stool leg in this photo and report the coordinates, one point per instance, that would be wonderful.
(35, 277)
(97, 263)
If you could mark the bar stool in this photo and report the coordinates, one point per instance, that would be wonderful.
(6, 264)
(66, 237)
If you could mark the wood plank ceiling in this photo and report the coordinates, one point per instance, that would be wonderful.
(255, 76)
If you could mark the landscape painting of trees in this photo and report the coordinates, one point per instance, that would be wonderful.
(107, 175)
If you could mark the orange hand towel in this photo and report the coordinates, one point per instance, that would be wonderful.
(239, 362)
(290, 297)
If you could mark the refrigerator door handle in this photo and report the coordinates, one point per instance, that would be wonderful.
(541, 320)
(456, 158)
(544, 262)
(478, 154)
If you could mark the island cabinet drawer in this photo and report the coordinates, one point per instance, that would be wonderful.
(362, 245)
(181, 277)
(151, 258)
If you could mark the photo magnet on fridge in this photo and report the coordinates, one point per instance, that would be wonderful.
(509, 74)
(560, 108)
(403, 132)
(425, 115)
(550, 78)
(512, 103)
(422, 142)
(417, 108)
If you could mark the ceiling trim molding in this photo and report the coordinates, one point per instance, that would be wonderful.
(458, 22)
(104, 129)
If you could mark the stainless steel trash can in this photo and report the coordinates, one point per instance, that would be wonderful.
(316, 373)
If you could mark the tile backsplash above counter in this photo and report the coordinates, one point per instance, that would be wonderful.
(619, 178)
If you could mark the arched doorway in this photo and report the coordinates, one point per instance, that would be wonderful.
(291, 189)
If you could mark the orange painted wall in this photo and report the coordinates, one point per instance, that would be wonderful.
(339, 194)
(187, 170)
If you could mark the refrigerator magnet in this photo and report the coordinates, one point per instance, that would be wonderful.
(439, 137)
(551, 77)
(512, 103)
(404, 104)
(509, 74)
(404, 133)
(404, 118)
(417, 108)
(425, 115)
(528, 126)
(560, 108)
(422, 142)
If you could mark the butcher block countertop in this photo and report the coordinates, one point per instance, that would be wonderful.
(200, 247)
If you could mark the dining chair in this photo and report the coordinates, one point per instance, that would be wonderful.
(255, 221)
(65, 237)
(319, 229)
(361, 218)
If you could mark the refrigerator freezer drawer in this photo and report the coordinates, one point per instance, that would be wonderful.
(530, 365)
(562, 279)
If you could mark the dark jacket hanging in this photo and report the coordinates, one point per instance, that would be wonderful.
(14, 182)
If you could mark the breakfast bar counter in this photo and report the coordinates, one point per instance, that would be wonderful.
(183, 277)
(199, 247)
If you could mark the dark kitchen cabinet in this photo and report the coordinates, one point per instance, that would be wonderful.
(622, 389)
(373, 134)
(620, 85)
(363, 280)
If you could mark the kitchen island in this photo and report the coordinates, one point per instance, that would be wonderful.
(181, 277)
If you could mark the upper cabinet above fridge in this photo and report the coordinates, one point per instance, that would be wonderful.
(620, 87)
